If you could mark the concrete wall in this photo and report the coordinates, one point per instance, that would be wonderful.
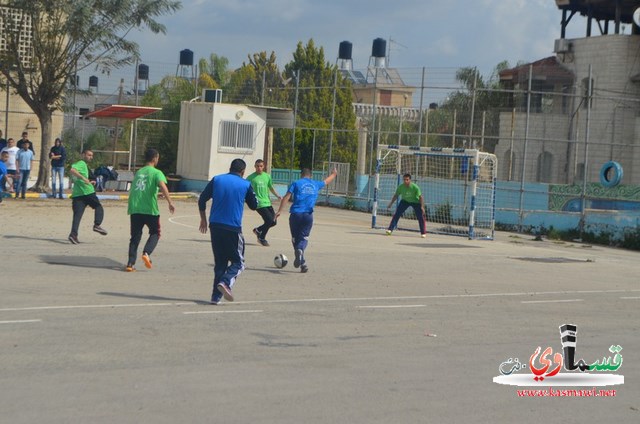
(200, 156)
(613, 126)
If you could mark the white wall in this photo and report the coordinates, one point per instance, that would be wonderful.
(199, 157)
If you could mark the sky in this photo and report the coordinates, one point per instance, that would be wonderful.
(419, 33)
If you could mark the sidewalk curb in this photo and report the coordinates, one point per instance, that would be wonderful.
(176, 196)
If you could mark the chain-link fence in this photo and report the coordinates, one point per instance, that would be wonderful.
(566, 141)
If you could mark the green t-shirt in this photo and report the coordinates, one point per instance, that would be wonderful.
(143, 195)
(261, 184)
(409, 194)
(80, 188)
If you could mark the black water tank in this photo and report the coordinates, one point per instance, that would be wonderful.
(93, 81)
(143, 72)
(379, 48)
(186, 57)
(344, 52)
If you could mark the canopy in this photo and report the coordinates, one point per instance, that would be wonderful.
(122, 111)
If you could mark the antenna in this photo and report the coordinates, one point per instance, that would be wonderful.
(392, 41)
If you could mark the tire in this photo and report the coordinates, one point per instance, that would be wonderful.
(617, 174)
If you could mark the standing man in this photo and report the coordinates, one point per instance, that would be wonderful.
(143, 208)
(58, 156)
(410, 195)
(83, 195)
(12, 150)
(25, 140)
(305, 193)
(262, 184)
(23, 165)
(228, 194)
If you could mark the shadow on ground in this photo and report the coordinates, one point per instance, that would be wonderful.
(152, 297)
(82, 261)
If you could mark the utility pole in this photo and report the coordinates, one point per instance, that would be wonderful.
(115, 134)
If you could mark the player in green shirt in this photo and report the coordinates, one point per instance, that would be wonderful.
(143, 208)
(83, 195)
(262, 184)
(410, 195)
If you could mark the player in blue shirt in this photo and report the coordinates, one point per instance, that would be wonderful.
(305, 193)
(228, 194)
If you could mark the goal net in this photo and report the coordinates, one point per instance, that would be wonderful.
(458, 187)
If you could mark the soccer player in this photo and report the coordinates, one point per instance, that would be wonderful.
(262, 184)
(143, 208)
(228, 194)
(83, 195)
(305, 193)
(410, 195)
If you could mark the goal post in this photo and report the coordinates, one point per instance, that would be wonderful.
(458, 187)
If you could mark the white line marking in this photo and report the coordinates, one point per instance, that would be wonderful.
(20, 321)
(552, 301)
(173, 218)
(390, 306)
(124, 305)
(629, 298)
(337, 299)
(255, 311)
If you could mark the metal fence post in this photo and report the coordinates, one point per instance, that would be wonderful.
(524, 151)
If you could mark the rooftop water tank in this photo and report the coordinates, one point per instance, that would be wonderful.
(186, 57)
(344, 52)
(143, 72)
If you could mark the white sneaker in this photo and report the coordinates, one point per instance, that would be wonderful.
(423, 235)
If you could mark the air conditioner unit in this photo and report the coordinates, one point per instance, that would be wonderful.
(212, 96)
(562, 45)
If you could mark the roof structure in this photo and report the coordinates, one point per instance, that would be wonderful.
(548, 69)
(601, 9)
(122, 112)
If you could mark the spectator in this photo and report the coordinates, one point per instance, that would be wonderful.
(24, 157)
(58, 156)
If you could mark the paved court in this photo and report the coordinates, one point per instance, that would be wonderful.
(382, 329)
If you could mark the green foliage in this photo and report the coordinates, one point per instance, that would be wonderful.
(167, 94)
(314, 110)
(455, 111)
(443, 214)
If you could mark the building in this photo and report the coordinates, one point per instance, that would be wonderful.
(212, 134)
(583, 110)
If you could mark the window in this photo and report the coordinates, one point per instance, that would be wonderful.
(236, 136)
(545, 162)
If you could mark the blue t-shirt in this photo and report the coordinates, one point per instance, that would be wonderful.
(228, 193)
(305, 193)
(24, 157)
(3, 172)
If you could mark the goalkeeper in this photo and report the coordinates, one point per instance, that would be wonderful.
(410, 195)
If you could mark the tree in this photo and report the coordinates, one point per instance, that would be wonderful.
(217, 68)
(488, 99)
(315, 109)
(246, 83)
(48, 41)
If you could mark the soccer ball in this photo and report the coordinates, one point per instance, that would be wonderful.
(280, 261)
